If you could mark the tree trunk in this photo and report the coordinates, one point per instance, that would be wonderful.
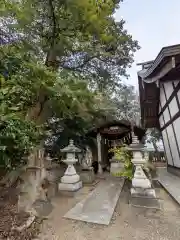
(35, 173)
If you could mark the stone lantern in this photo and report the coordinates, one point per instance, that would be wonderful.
(70, 182)
(141, 185)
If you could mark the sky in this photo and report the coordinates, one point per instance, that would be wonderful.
(154, 23)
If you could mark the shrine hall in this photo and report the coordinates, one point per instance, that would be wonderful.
(113, 134)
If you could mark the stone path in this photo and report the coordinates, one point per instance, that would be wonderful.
(170, 182)
(127, 223)
(98, 207)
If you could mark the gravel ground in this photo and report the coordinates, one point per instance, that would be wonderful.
(127, 223)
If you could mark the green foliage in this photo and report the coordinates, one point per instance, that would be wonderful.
(17, 138)
(127, 104)
(64, 55)
(154, 136)
(150, 170)
(68, 97)
(124, 156)
(81, 36)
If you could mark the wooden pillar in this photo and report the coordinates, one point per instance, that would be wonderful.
(99, 153)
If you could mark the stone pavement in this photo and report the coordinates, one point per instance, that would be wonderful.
(127, 223)
(98, 207)
(170, 182)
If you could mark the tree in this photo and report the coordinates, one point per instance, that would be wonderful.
(81, 36)
(20, 87)
(127, 104)
(154, 136)
(58, 54)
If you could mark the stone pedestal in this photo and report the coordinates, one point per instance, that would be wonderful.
(116, 166)
(87, 175)
(70, 182)
(53, 174)
(141, 185)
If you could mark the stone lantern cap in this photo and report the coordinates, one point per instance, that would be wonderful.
(71, 148)
(137, 147)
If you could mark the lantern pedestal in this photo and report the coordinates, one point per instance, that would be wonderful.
(116, 166)
(141, 185)
(70, 182)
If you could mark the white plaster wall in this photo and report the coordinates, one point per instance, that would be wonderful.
(173, 146)
(159, 108)
(161, 121)
(166, 115)
(178, 95)
(173, 107)
(177, 130)
(168, 86)
(176, 82)
(168, 89)
(167, 149)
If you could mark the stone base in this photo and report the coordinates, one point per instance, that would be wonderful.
(52, 190)
(87, 176)
(143, 183)
(151, 203)
(70, 187)
(141, 192)
(116, 167)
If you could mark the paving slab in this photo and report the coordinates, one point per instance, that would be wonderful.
(98, 207)
(170, 182)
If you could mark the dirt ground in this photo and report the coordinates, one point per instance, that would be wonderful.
(127, 223)
(10, 217)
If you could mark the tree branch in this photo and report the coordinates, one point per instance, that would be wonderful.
(78, 68)
(51, 58)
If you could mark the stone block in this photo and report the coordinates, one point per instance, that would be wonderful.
(71, 187)
(87, 176)
(151, 203)
(116, 167)
(141, 183)
(141, 192)
(52, 189)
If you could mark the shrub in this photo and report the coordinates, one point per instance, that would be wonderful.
(123, 155)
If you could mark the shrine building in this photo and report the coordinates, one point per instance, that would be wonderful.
(159, 89)
(113, 134)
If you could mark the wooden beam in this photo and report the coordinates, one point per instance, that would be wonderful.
(174, 132)
(176, 116)
(167, 141)
(177, 99)
(174, 93)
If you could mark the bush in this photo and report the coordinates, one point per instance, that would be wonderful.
(17, 138)
(123, 155)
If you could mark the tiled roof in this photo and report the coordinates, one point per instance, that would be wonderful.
(164, 53)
